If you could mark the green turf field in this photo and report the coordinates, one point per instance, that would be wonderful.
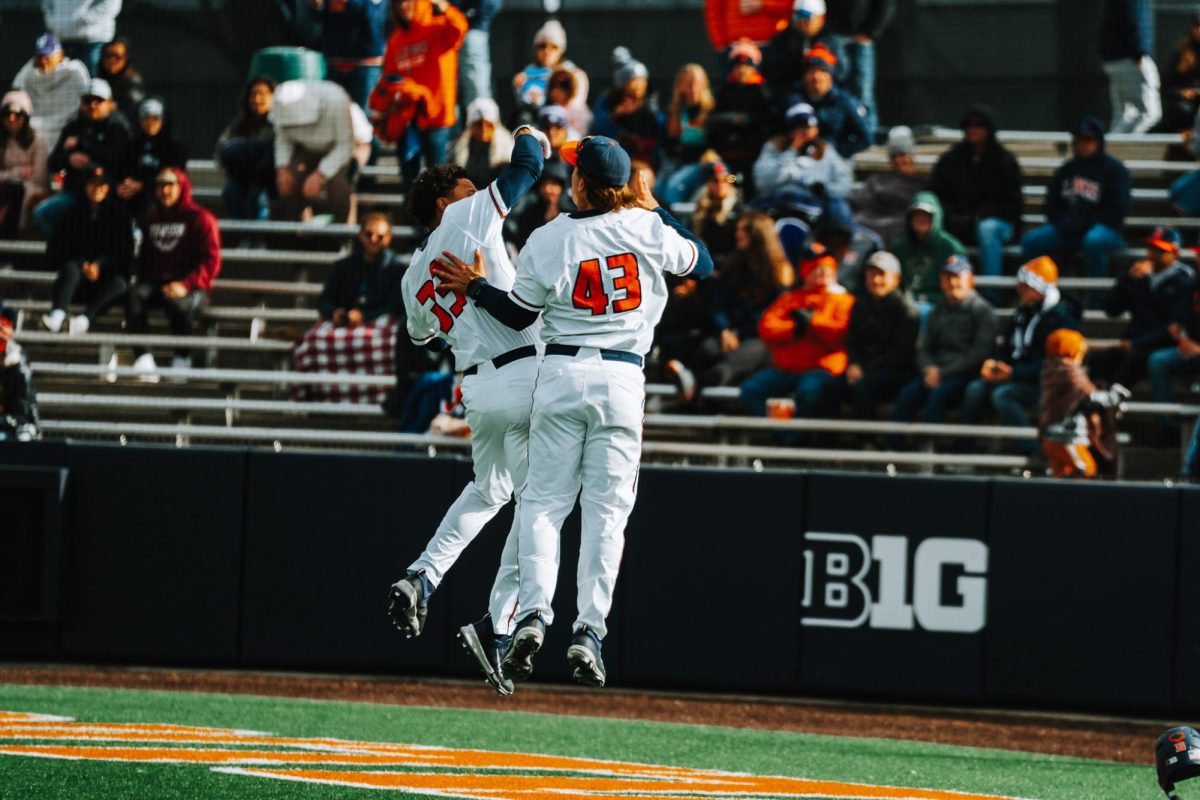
(857, 760)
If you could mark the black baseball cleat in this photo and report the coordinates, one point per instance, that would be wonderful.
(584, 656)
(526, 641)
(479, 640)
(408, 602)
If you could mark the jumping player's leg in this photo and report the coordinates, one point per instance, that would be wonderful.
(502, 605)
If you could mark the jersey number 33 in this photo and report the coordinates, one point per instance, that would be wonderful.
(589, 293)
(428, 293)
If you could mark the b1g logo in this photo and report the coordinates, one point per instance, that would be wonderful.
(948, 583)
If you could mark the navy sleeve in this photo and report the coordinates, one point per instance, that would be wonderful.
(500, 306)
(522, 172)
(704, 262)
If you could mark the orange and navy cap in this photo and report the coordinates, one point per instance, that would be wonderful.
(1166, 238)
(599, 159)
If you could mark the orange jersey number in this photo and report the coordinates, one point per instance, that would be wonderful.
(589, 293)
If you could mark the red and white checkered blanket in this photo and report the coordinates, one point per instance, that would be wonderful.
(366, 350)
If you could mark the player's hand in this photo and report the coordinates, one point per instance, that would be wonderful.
(642, 194)
(91, 271)
(354, 317)
(454, 273)
(933, 377)
(542, 139)
(854, 374)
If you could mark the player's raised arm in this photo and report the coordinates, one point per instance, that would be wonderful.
(529, 155)
(459, 276)
(696, 261)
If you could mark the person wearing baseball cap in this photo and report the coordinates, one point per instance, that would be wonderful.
(154, 147)
(843, 119)
(1009, 381)
(1155, 291)
(784, 57)
(881, 339)
(54, 84)
(958, 335)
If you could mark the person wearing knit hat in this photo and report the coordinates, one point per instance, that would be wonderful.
(1072, 445)
(23, 154)
(978, 181)
(532, 84)
(881, 202)
(1009, 381)
(1155, 292)
(628, 112)
(805, 330)
(484, 148)
(785, 56)
(739, 123)
(1087, 201)
(843, 119)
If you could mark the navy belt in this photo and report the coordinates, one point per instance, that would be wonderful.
(505, 358)
(607, 355)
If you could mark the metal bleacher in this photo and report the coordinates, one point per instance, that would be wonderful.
(238, 390)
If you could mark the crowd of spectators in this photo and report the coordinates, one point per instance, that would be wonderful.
(831, 297)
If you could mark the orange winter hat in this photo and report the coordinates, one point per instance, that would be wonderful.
(1039, 274)
(1065, 343)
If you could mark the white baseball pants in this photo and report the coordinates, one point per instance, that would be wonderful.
(498, 403)
(1133, 92)
(585, 439)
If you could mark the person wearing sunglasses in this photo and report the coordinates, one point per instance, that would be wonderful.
(365, 285)
(597, 280)
(98, 135)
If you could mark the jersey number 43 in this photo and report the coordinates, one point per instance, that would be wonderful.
(428, 293)
(589, 293)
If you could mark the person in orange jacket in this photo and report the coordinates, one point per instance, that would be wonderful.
(423, 49)
(805, 329)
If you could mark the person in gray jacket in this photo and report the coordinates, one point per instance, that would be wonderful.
(801, 159)
(959, 335)
(83, 27)
(881, 203)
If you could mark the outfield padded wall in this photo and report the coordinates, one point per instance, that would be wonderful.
(992, 591)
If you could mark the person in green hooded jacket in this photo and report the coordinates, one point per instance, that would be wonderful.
(923, 248)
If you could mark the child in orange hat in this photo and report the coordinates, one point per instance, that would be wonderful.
(1076, 421)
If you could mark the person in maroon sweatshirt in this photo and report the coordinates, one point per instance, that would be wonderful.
(180, 260)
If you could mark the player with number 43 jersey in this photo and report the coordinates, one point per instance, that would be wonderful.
(597, 279)
(499, 366)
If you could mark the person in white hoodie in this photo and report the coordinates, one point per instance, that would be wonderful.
(54, 84)
(322, 139)
(83, 27)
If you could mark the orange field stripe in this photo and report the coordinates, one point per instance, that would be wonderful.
(183, 755)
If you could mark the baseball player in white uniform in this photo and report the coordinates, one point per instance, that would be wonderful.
(499, 366)
(597, 277)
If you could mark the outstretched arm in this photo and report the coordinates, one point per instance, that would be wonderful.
(528, 158)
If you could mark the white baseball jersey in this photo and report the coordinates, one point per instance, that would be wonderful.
(474, 335)
(599, 280)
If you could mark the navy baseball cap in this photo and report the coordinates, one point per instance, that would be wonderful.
(599, 159)
(1166, 238)
(552, 116)
(957, 265)
(800, 115)
(46, 45)
(717, 171)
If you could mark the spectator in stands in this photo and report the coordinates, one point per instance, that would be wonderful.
(843, 119)
(83, 26)
(978, 181)
(475, 57)
(1191, 459)
(353, 41)
(958, 336)
(1009, 382)
(801, 159)
(154, 147)
(23, 156)
(1076, 421)
(423, 49)
(924, 249)
(881, 339)
(553, 121)
(628, 112)
(715, 219)
(882, 201)
(850, 244)
(805, 330)
(365, 285)
(180, 259)
(691, 103)
(1126, 45)
(1086, 203)
(532, 84)
(1155, 291)
(738, 124)
(858, 24)
(1181, 81)
(92, 252)
(484, 147)
(246, 152)
(322, 140)
(97, 135)
(550, 197)
(128, 86)
(19, 418)
(54, 84)
(785, 58)
(563, 91)
(1182, 357)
